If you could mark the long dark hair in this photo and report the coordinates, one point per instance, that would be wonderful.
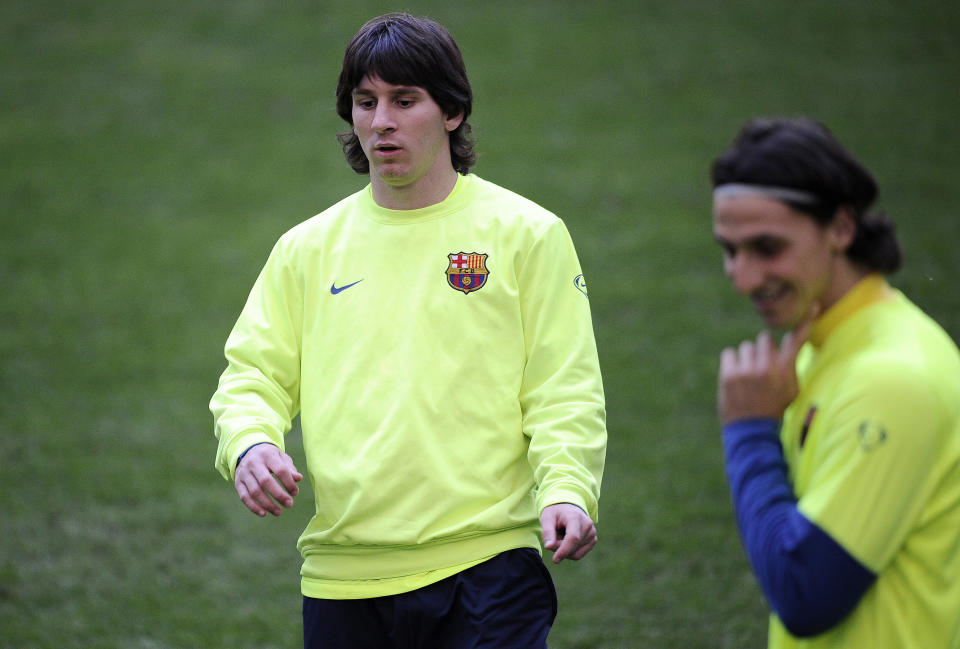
(803, 154)
(404, 50)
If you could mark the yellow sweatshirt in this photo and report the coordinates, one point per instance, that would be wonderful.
(443, 364)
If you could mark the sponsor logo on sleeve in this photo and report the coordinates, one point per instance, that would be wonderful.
(871, 434)
(581, 284)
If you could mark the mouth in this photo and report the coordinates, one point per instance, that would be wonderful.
(770, 302)
(768, 292)
(765, 298)
(387, 150)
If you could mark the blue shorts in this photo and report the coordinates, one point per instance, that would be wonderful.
(508, 601)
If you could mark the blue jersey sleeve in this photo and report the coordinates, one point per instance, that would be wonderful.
(810, 581)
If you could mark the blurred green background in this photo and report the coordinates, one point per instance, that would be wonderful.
(152, 152)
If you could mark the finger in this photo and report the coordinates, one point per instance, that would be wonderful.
(728, 362)
(286, 473)
(764, 350)
(584, 548)
(245, 484)
(263, 500)
(745, 355)
(248, 500)
(275, 492)
(548, 526)
(279, 477)
(266, 491)
(571, 544)
(588, 539)
(572, 539)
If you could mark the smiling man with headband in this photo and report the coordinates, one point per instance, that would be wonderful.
(842, 443)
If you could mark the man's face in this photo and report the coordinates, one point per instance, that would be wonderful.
(779, 257)
(402, 131)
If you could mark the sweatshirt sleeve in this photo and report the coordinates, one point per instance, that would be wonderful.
(258, 393)
(810, 580)
(561, 395)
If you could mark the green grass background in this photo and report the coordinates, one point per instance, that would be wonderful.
(152, 152)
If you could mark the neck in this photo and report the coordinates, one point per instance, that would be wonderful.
(846, 275)
(427, 191)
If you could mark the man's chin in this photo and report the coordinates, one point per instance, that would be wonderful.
(779, 322)
(781, 315)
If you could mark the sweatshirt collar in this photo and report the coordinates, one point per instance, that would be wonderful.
(451, 203)
(871, 289)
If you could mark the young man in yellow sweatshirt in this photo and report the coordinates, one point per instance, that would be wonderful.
(434, 334)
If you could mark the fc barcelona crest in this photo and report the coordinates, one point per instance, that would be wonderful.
(467, 271)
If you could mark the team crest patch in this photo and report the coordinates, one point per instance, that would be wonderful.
(467, 271)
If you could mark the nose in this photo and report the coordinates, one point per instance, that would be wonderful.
(744, 272)
(383, 118)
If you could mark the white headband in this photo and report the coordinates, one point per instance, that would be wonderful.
(778, 193)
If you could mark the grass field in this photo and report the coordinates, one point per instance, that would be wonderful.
(152, 152)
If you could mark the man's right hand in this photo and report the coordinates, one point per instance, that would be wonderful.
(266, 479)
(759, 379)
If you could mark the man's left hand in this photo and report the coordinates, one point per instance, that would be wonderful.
(568, 531)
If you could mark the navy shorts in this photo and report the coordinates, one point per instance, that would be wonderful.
(506, 602)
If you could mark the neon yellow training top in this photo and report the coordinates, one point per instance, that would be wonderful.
(873, 448)
(444, 366)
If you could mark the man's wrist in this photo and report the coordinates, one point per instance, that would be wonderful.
(749, 426)
(247, 450)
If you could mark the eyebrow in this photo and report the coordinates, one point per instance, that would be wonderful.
(398, 90)
(726, 245)
(749, 242)
(721, 240)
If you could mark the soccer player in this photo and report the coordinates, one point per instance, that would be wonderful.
(433, 332)
(842, 443)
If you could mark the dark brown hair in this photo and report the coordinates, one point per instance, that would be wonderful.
(803, 154)
(404, 50)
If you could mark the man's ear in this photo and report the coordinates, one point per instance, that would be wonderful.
(452, 123)
(843, 229)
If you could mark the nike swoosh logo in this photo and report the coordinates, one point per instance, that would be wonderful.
(334, 289)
